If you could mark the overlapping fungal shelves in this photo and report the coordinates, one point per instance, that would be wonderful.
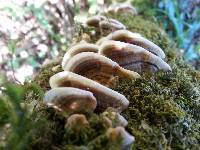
(119, 87)
(90, 70)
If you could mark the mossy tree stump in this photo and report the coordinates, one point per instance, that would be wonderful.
(164, 110)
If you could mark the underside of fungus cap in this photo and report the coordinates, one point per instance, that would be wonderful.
(70, 100)
(135, 39)
(79, 48)
(94, 20)
(98, 68)
(132, 57)
(105, 96)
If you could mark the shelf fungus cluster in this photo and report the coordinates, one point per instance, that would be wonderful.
(133, 52)
(103, 24)
(90, 70)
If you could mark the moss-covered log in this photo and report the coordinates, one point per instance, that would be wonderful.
(164, 110)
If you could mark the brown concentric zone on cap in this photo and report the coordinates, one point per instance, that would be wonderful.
(103, 101)
(96, 70)
(140, 62)
(74, 103)
(134, 42)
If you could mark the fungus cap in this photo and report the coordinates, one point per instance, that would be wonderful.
(98, 68)
(94, 20)
(120, 133)
(132, 57)
(135, 39)
(105, 97)
(118, 119)
(111, 24)
(76, 120)
(122, 8)
(70, 99)
(76, 49)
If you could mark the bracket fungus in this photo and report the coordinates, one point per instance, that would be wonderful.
(76, 120)
(135, 39)
(94, 20)
(105, 96)
(122, 8)
(102, 23)
(98, 68)
(119, 133)
(78, 48)
(111, 24)
(132, 57)
(117, 119)
(70, 100)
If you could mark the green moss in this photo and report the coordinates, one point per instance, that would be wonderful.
(42, 78)
(55, 135)
(164, 108)
(51, 133)
(79, 135)
(163, 113)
